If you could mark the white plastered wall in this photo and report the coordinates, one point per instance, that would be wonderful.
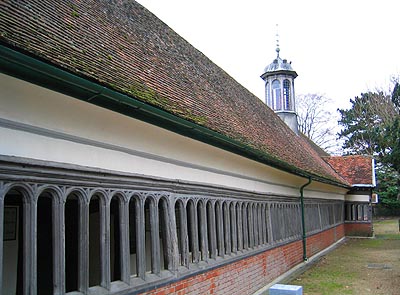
(357, 198)
(42, 124)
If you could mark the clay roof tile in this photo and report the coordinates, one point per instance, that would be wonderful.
(356, 169)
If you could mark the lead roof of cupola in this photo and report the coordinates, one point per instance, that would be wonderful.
(279, 65)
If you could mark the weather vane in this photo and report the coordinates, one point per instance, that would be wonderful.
(277, 40)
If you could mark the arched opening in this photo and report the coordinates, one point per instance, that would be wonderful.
(115, 238)
(13, 243)
(192, 231)
(133, 220)
(234, 244)
(163, 232)
(181, 231)
(239, 226)
(201, 230)
(255, 225)
(366, 211)
(250, 229)
(267, 224)
(276, 95)
(289, 216)
(348, 211)
(245, 228)
(147, 224)
(72, 229)
(94, 241)
(282, 221)
(260, 225)
(44, 244)
(273, 225)
(220, 229)
(227, 228)
(263, 223)
(211, 231)
(360, 213)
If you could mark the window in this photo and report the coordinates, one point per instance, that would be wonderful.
(276, 94)
(286, 95)
(268, 95)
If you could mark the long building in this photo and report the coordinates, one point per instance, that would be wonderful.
(130, 163)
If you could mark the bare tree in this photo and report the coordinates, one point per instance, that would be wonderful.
(316, 121)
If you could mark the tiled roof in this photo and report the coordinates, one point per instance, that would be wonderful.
(314, 146)
(357, 170)
(121, 45)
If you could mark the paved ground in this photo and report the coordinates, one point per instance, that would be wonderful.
(358, 266)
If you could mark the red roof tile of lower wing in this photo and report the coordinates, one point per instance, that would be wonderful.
(357, 170)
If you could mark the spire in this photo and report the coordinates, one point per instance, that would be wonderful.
(277, 41)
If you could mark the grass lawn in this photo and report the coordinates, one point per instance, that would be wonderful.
(359, 266)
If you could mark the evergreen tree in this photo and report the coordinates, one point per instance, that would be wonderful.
(372, 127)
(365, 124)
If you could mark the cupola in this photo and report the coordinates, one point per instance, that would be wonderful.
(279, 90)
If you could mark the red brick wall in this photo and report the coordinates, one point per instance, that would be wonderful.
(248, 275)
(320, 241)
(363, 229)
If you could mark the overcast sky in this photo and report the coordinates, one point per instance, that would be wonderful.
(338, 48)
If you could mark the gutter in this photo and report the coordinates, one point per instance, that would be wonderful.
(303, 224)
(23, 66)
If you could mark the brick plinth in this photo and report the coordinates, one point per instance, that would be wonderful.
(359, 229)
(250, 274)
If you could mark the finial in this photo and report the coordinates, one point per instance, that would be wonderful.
(277, 41)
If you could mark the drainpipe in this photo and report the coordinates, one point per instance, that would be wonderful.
(302, 219)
